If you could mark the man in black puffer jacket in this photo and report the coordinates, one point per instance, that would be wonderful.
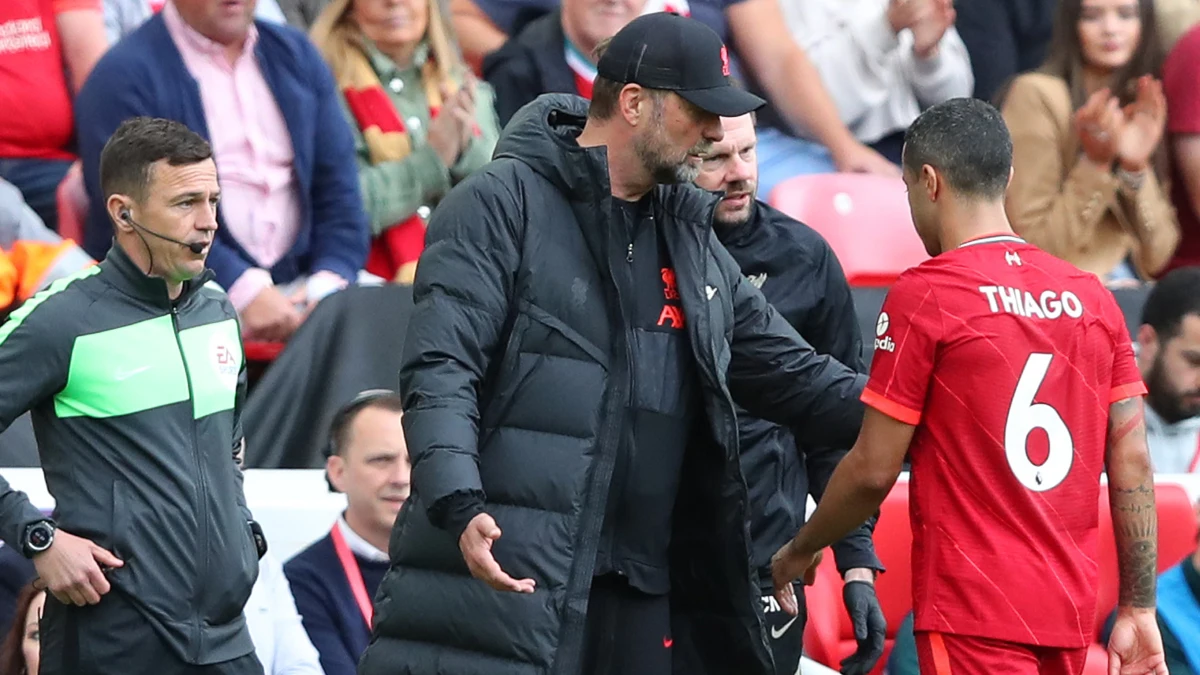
(800, 276)
(578, 341)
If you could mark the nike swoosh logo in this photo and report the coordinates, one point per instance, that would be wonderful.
(777, 633)
(126, 374)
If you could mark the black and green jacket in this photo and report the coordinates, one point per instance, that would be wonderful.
(135, 401)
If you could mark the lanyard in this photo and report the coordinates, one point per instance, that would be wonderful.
(353, 574)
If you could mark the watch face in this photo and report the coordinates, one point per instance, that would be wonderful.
(39, 537)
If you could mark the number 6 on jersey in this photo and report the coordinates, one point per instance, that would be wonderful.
(1023, 417)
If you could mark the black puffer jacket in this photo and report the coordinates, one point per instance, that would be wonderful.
(516, 384)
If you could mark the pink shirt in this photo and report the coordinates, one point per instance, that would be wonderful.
(259, 196)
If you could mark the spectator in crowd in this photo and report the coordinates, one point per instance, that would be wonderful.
(122, 17)
(280, 641)
(47, 50)
(587, 444)
(31, 256)
(1088, 157)
(800, 276)
(293, 228)
(1004, 39)
(335, 579)
(883, 61)
(421, 121)
(1181, 85)
(1178, 611)
(15, 572)
(1169, 358)
(20, 653)
(555, 52)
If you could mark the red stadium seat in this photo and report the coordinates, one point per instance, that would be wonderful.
(262, 352)
(829, 637)
(865, 219)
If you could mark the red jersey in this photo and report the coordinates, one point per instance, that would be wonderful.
(36, 117)
(1006, 359)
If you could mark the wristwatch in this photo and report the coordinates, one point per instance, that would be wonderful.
(260, 539)
(38, 537)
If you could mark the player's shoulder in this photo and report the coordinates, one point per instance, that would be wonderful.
(59, 307)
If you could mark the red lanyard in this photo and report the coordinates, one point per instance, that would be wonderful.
(1195, 459)
(353, 574)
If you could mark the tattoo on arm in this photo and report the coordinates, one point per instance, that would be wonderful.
(1131, 497)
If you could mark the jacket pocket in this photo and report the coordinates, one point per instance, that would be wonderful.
(233, 570)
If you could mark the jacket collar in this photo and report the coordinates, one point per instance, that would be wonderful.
(127, 277)
(743, 234)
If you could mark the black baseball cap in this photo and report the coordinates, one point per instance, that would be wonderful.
(679, 54)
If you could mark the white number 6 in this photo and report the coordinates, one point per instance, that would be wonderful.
(1023, 417)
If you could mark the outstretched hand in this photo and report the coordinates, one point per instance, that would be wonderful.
(476, 546)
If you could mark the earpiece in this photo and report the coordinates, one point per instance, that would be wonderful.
(125, 215)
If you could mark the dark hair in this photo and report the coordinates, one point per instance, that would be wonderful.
(137, 144)
(12, 659)
(967, 141)
(343, 419)
(1064, 58)
(1176, 295)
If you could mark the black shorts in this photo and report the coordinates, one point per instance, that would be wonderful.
(113, 638)
(628, 632)
(785, 632)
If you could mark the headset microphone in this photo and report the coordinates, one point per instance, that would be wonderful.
(196, 247)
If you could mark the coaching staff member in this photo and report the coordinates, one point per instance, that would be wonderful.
(800, 276)
(134, 373)
(569, 376)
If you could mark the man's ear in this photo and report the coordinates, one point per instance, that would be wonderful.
(931, 181)
(1147, 345)
(119, 206)
(335, 471)
(630, 103)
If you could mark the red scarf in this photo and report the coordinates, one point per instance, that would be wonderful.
(395, 251)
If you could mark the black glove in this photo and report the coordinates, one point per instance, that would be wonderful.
(260, 539)
(870, 628)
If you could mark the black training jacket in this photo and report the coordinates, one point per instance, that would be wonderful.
(800, 276)
(516, 379)
(136, 401)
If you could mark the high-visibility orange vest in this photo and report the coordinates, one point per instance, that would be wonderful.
(23, 268)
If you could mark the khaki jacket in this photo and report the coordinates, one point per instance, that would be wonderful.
(1065, 204)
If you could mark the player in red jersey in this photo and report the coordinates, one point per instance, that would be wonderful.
(1008, 376)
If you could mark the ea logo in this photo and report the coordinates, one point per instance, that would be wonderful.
(226, 359)
(881, 325)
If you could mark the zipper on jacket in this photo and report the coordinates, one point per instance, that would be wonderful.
(202, 487)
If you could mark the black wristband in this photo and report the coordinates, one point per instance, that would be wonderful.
(260, 539)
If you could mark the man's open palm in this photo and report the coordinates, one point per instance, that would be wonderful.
(476, 546)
